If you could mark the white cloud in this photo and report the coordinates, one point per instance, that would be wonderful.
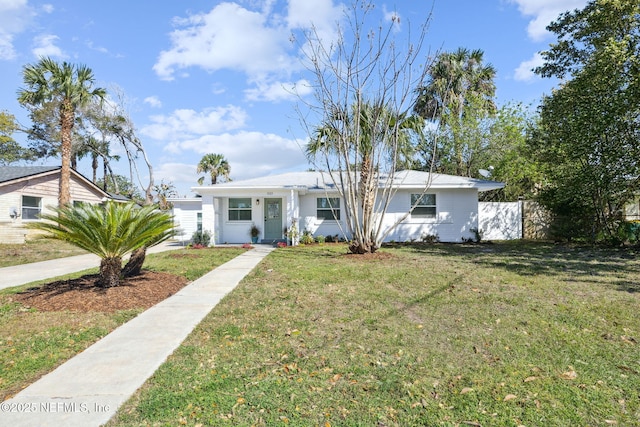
(15, 16)
(153, 101)
(186, 123)
(175, 172)
(524, 72)
(279, 91)
(249, 153)
(256, 43)
(544, 12)
(44, 45)
(320, 13)
(230, 37)
(48, 8)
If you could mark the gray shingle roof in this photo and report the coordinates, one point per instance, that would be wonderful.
(9, 173)
(322, 181)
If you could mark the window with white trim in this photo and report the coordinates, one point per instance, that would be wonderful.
(425, 205)
(328, 208)
(31, 207)
(240, 209)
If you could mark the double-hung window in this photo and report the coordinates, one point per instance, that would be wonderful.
(328, 208)
(31, 207)
(425, 205)
(240, 209)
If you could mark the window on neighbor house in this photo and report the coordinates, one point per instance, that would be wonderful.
(199, 222)
(328, 208)
(240, 209)
(425, 205)
(31, 207)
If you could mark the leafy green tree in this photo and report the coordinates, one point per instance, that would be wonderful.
(590, 126)
(215, 165)
(508, 156)
(458, 95)
(120, 185)
(10, 150)
(70, 86)
(110, 231)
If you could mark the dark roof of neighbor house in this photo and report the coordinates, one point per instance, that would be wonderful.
(10, 173)
(13, 173)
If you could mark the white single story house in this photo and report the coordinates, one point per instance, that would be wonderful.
(448, 209)
(27, 191)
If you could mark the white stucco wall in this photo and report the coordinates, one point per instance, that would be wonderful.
(319, 226)
(456, 215)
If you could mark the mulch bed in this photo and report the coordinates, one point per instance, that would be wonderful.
(84, 295)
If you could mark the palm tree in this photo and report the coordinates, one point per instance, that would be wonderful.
(110, 231)
(214, 164)
(71, 86)
(458, 83)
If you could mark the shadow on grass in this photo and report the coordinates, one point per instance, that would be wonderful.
(617, 266)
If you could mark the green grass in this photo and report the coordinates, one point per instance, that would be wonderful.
(33, 343)
(442, 335)
(36, 250)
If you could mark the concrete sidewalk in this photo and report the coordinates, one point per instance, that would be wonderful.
(26, 273)
(88, 389)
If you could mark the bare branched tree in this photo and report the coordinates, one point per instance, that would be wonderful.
(360, 123)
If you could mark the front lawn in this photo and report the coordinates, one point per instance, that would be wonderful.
(36, 250)
(489, 335)
(34, 341)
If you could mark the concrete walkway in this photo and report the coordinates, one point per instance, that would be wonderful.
(26, 273)
(88, 389)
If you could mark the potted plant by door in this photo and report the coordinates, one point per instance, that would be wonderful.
(255, 233)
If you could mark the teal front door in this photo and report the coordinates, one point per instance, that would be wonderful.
(272, 219)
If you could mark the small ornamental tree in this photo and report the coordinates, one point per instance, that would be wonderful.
(360, 124)
(109, 231)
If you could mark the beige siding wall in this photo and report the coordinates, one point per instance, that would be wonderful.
(46, 188)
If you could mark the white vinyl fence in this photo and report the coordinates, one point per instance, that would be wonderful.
(500, 220)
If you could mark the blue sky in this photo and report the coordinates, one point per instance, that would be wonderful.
(209, 77)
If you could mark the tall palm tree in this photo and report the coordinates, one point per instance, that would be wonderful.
(215, 165)
(110, 231)
(71, 86)
(458, 83)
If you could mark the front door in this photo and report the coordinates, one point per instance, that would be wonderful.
(272, 219)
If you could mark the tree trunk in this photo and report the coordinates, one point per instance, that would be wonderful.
(110, 272)
(66, 126)
(94, 166)
(134, 265)
(361, 248)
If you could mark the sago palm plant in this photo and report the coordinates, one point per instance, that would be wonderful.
(110, 231)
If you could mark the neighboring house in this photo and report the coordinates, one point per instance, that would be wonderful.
(449, 209)
(27, 191)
